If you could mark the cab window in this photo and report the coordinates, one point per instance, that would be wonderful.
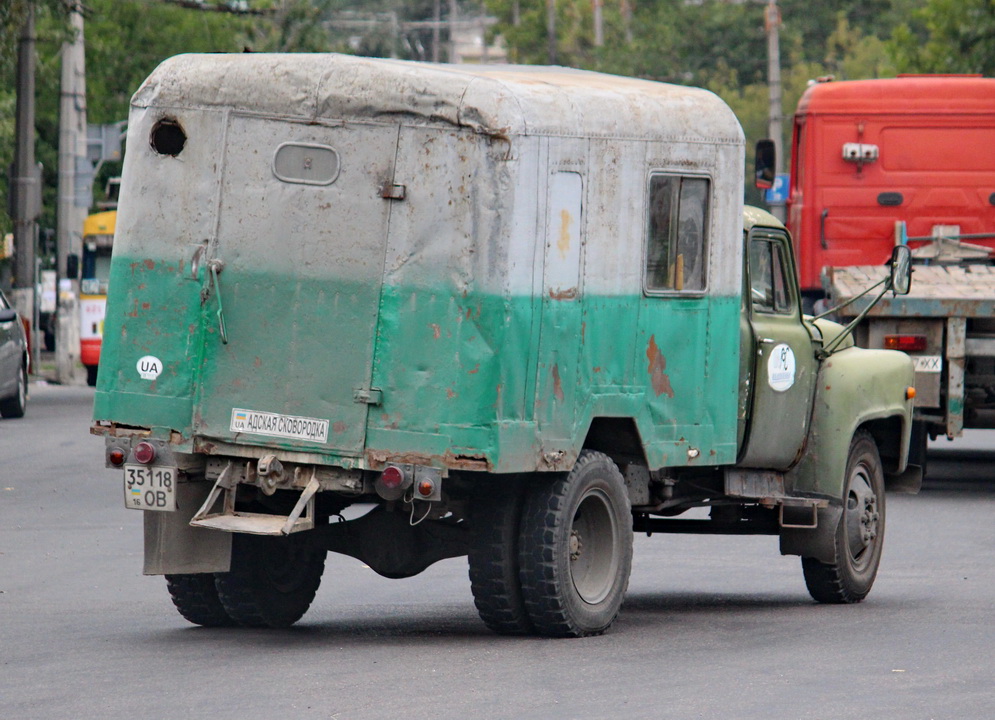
(768, 281)
(676, 250)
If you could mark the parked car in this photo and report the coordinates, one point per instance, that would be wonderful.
(13, 362)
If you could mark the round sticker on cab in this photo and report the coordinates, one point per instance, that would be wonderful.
(781, 368)
(149, 367)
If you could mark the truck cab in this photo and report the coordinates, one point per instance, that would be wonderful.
(512, 313)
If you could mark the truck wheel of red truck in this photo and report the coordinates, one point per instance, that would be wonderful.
(272, 580)
(495, 516)
(196, 598)
(576, 549)
(860, 533)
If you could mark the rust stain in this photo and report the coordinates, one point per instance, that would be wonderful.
(150, 264)
(563, 243)
(568, 294)
(257, 363)
(376, 459)
(339, 427)
(146, 306)
(657, 365)
(597, 370)
(557, 384)
(450, 393)
(476, 369)
(436, 331)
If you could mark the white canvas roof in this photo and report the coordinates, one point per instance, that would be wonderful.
(490, 99)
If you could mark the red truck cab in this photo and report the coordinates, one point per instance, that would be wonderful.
(867, 154)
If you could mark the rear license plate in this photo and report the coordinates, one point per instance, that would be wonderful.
(150, 487)
(928, 363)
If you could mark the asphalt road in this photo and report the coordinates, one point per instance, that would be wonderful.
(712, 627)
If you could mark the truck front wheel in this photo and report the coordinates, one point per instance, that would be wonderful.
(272, 580)
(860, 533)
(576, 549)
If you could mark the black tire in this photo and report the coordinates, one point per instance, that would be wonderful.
(91, 375)
(15, 405)
(196, 597)
(576, 549)
(272, 579)
(494, 562)
(860, 533)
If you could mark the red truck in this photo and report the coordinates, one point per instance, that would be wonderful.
(907, 160)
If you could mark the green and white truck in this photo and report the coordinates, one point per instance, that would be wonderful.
(512, 313)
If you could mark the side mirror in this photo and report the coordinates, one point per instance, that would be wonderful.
(72, 266)
(901, 270)
(765, 164)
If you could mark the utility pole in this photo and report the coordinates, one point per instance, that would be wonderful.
(599, 29)
(436, 18)
(74, 196)
(772, 17)
(453, 18)
(551, 29)
(26, 184)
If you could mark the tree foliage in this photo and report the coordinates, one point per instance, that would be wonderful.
(947, 36)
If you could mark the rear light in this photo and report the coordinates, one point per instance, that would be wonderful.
(905, 343)
(426, 488)
(392, 477)
(144, 452)
(115, 456)
(394, 481)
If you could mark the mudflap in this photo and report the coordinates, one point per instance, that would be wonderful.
(173, 547)
(818, 542)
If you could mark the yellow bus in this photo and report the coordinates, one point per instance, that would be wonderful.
(98, 238)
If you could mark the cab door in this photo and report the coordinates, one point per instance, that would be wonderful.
(785, 366)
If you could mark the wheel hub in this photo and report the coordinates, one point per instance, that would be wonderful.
(576, 546)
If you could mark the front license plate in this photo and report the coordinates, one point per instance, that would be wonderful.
(150, 487)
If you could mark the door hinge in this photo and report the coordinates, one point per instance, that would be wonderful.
(369, 396)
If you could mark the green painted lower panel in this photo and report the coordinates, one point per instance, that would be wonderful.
(453, 368)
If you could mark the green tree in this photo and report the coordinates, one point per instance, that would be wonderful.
(947, 36)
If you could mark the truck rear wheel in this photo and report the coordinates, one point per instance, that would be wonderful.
(576, 549)
(860, 533)
(196, 598)
(494, 578)
(272, 580)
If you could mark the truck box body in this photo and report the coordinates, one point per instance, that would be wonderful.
(507, 310)
(930, 147)
(406, 270)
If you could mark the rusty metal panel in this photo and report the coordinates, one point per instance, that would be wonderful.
(956, 336)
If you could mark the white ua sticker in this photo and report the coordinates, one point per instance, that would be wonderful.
(781, 368)
(149, 367)
(286, 426)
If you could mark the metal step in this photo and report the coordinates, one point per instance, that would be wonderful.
(229, 520)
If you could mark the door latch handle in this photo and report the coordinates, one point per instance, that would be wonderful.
(216, 265)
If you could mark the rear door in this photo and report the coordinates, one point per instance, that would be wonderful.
(301, 237)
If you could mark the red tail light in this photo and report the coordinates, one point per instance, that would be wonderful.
(144, 452)
(905, 343)
(116, 456)
(392, 477)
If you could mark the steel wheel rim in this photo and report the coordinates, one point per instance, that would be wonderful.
(593, 548)
(861, 517)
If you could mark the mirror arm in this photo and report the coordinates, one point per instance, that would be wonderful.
(854, 299)
(831, 346)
